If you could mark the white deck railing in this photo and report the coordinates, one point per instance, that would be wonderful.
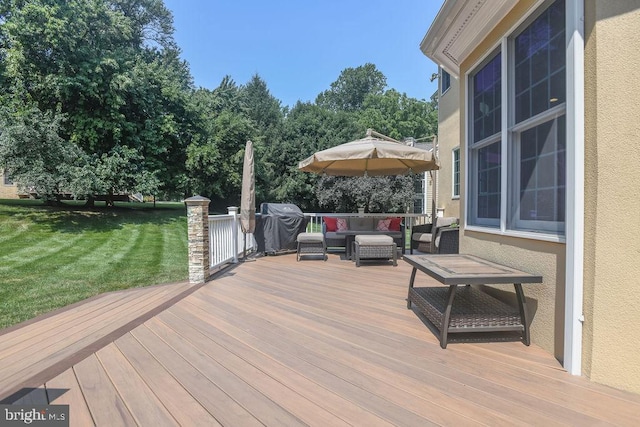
(226, 239)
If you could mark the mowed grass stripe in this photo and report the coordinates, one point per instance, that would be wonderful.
(86, 271)
(39, 253)
(174, 249)
(53, 257)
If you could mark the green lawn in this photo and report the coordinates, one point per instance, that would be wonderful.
(52, 257)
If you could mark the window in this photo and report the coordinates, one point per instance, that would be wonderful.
(445, 81)
(419, 193)
(485, 148)
(7, 179)
(455, 192)
(535, 102)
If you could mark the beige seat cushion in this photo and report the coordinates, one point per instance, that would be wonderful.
(310, 237)
(422, 237)
(374, 240)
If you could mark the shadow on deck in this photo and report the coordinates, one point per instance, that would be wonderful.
(279, 342)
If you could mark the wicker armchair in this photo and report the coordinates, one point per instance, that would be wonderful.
(416, 244)
(426, 238)
(447, 240)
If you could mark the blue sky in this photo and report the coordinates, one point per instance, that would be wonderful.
(300, 47)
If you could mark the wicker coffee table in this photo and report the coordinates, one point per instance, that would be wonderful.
(468, 309)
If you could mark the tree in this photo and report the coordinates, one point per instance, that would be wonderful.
(214, 159)
(32, 152)
(349, 92)
(399, 116)
(112, 70)
(361, 92)
(308, 128)
(374, 194)
(267, 117)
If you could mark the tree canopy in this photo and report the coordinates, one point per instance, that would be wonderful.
(96, 101)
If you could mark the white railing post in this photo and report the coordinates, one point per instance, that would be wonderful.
(233, 210)
(198, 235)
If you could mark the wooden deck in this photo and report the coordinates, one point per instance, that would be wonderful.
(278, 342)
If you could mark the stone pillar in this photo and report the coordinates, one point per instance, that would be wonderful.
(198, 234)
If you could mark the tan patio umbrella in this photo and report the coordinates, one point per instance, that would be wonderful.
(374, 155)
(248, 197)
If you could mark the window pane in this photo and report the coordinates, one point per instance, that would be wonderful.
(487, 100)
(542, 172)
(446, 81)
(523, 80)
(489, 163)
(542, 45)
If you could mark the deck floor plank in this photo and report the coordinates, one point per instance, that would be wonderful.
(329, 400)
(65, 390)
(51, 351)
(103, 400)
(371, 361)
(580, 406)
(258, 403)
(143, 405)
(279, 342)
(227, 411)
(180, 403)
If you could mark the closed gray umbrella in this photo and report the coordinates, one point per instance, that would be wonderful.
(248, 197)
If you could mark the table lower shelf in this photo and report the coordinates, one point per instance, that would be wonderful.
(472, 311)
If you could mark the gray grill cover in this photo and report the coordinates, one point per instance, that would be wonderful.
(277, 227)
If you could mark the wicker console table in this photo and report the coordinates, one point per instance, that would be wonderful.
(468, 309)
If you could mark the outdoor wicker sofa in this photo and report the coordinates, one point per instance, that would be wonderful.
(362, 226)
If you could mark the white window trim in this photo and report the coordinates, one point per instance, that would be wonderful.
(574, 226)
(503, 46)
(455, 196)
(531, 235)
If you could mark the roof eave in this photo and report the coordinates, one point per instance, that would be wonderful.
(458, 29)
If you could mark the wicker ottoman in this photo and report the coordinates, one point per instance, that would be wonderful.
(374, 247)
(311, 244)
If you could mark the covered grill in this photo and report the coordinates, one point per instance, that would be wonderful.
(277, 226)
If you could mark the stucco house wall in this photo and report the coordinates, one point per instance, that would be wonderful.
(448, 139)
(612, 208)
(611, 354)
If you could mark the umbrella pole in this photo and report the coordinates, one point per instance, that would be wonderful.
(244, 257)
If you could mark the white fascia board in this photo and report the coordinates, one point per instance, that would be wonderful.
(458, 29)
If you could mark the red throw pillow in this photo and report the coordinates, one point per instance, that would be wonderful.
(331, 223)
(394, 225)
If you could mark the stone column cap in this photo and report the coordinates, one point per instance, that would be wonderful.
(197, 200)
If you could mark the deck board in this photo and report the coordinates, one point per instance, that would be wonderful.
(279, 342)
(181, 404)
(49, 347)
(65, 390)
(103, 400)
(141, 401)
(225, 409)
